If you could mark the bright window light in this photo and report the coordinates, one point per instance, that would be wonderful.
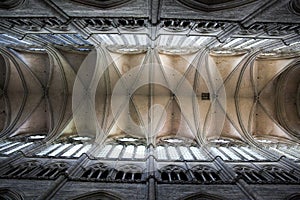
(82, 138)
(9, 146)
(17, 148)
(140, 151)
(216, 152)
(244, 154)
(48, 149)
(37, 137)
(229, 153)
(71, 151)
(104, 151)
(85, 149)
(161, 153)
(127, 139)
(173, 153)
(197, 153)
(129, 150)
(116, 151)
(60, 149)
(186, 153)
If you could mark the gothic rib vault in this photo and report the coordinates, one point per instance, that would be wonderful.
(244, 98)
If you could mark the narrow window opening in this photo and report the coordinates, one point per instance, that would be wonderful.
(104, 174)
(216, 176)
(183, 176)
(251, 177)
(95, 174)
(25, 172)
(174, 176)
(164, 176)
(137, 176)
(198, 176)
(17, 172)
(44, 171)
(259, 176)
(86, 174)
(290, 176)
(207, 178)
(128, 176)
(52, 173)
(119, 175)
(10, 171)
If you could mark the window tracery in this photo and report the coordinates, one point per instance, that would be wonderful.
(269, 173)
(173, 173)
(249, 174)
(53, 170)
(209, 27)
(129, 173)
(278, 174)
(131, 24)
(179, 149)
(125, 148)
(205, 174)
(34, 169)
(272, 30)
(99, 24)
(97, 171)
(55, 24)
(21, 170)
(234, 151)
(204, 27)
(25, 24)
(176, 25)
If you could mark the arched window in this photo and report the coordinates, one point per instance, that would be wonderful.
(131, 24)
(7, 194)
(201, 196)
(250, 175)
(97, 171)
(129, 173)
(97, 195)
(52, 171)
(205, 174)
(176, 25)
(293, 197)
(64, 150)
(278, 174)
(34, 169)
(172, 173)
(24, 169)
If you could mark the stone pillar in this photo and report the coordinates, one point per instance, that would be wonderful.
(151, 173)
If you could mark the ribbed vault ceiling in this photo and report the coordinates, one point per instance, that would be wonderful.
(37, 95)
